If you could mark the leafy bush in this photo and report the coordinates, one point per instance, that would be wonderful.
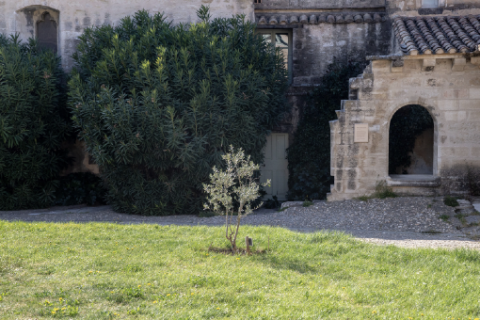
(33, 125)
(309, 155)
(272, 203)
(79, 188)
(158, 105)
(235, 184)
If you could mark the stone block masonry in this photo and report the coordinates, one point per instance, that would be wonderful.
(450, 96)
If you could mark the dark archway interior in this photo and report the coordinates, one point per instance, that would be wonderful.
(411, 141)
(47, 33)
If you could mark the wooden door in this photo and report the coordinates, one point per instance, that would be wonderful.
(275, 167)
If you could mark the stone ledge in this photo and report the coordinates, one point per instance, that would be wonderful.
(413, 180)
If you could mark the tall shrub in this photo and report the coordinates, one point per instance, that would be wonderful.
(33, 125)
(159, 105)
(309, 155)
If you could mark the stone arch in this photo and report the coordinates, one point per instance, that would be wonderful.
(40, 22)
(427, 106)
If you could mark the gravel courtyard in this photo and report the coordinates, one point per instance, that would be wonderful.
(407, 222)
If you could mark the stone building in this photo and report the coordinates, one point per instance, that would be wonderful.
(312, 33)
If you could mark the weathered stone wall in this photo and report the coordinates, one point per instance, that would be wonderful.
(447, 7)
(447, 85)
(316, 46)
(74, 16)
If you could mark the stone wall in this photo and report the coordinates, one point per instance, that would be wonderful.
(316, 46)
(74, 16)
(447, 85)
(447, 7)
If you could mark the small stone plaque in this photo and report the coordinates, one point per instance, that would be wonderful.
(361, 132)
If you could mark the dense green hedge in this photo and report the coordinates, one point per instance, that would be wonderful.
(158, 105)
(34, 122)
(309, 155)
(80, 188)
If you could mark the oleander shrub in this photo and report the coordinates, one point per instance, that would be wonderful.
(34, 123)
(158, 105)
(80, 188)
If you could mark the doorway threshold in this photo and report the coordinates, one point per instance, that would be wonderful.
(413, 180)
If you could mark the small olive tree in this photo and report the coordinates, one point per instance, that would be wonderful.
(232, 187)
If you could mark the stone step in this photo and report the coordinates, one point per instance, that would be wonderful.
(473, 219)
(476, 205)
(465, 210)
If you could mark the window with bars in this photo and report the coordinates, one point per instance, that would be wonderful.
(281, 39)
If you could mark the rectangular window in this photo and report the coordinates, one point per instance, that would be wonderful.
(281, 39)
(429, 3)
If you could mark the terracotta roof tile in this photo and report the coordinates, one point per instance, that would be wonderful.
(334, 18)
(427, 35)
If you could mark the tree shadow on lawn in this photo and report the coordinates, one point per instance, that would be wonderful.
(288, 263)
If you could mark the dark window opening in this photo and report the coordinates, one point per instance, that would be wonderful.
(47, 33)
(411, 141)
(281, 39)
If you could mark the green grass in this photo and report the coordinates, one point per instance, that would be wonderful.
(445, 217)
(307, 203)
(382, 191)
(109, 271)
(451, 201)
(461, 217)
(364, 198)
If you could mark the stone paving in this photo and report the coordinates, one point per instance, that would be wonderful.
(405, 221)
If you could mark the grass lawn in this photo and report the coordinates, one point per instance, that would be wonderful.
(109, 271)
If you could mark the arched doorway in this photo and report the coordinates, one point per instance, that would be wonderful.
(411, 142)
(47, 32)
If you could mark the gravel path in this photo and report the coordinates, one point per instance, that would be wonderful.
(408, 222)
